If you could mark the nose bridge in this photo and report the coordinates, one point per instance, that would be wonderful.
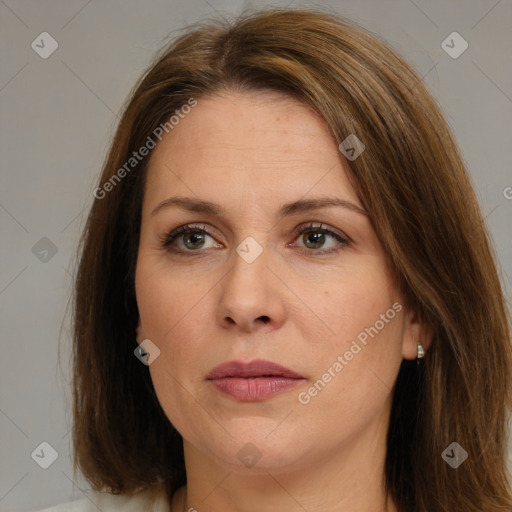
(250, 259)
(248, 291)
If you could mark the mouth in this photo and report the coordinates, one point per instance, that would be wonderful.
(253, 381)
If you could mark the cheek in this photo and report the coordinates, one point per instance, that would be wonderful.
(358, 300)
(166, 297)
(356, 366)
(174, 310)
(168, 306)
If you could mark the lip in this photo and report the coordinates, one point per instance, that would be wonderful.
(256, 368)
(252, 381)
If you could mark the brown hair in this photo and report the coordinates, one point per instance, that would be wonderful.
(412, 181)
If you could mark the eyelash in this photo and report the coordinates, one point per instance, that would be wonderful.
(312, 227)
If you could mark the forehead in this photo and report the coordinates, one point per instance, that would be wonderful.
(261, 143)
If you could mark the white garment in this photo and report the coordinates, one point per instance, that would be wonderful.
(141, 502)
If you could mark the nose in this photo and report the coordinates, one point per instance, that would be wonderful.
(252, 296)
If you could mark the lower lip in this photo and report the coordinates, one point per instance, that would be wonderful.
(253, 389)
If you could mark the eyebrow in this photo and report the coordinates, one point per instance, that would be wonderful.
(302, 205)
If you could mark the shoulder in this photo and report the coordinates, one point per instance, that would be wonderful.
(144, 501)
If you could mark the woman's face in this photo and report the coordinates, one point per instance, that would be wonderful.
(246, 286)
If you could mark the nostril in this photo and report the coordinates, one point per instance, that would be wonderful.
(265, 319)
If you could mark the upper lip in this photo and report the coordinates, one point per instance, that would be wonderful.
(256, 368)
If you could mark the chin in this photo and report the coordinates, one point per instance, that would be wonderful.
(260, 450)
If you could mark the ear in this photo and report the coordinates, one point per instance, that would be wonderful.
(416, 331)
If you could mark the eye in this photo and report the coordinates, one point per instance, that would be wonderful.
(314, 237)
(192, 239)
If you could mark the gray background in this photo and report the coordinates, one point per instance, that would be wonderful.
(58, 115)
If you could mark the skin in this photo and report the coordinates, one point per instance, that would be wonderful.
(251, 153)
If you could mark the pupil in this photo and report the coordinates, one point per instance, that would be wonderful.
(318, 238)
(191, 236)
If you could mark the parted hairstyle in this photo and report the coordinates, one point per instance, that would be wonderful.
(411, 179)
